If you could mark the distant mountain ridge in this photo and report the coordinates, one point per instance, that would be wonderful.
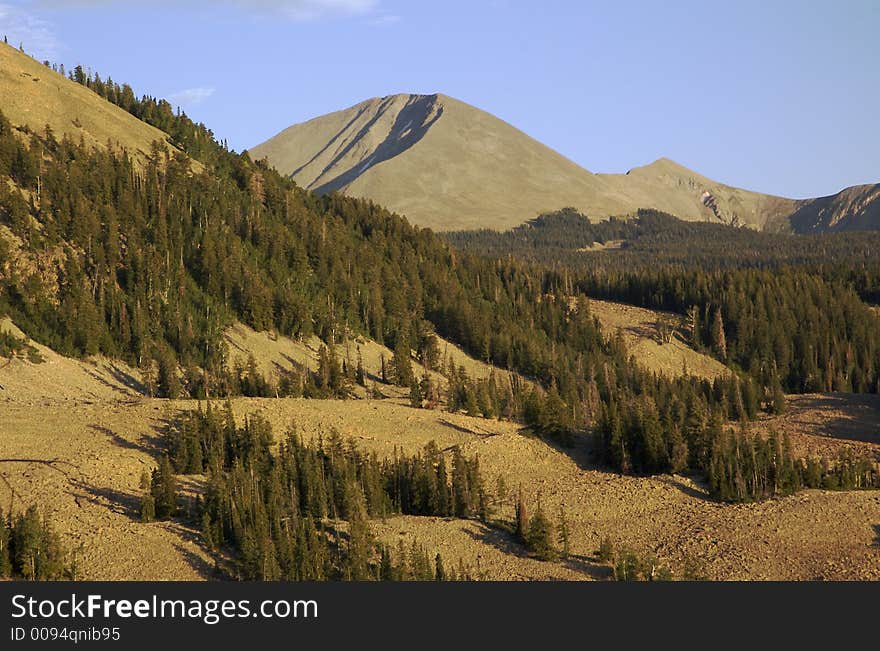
(853, 208)
(450, 166)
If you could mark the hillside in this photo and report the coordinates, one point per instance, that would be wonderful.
(450, 166)
(34, 96)
(438, 161)
(157, 279)
(851, 209)
(641, 334)
(81, 461)
(76, 440)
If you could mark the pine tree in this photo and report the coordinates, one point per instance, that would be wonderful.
(563, 533)
(386, 569)
(26, 536)
(522, 522)
(606, 550)
(148, 508)
(415, 395)
(627, 567)
(167, 382)
(439, 570)
(540, 538)
(163, 489)
(207, 529)
(777, 399)
(360, 375)
(717, 337)
(401, 363)
(462, 496)
(693, 322)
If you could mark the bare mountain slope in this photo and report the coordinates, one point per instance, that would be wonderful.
(448, 165)
(854, 208)
(673, 188)
(442, 163)
(32, 95)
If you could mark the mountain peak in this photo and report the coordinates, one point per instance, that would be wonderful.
(447, 165)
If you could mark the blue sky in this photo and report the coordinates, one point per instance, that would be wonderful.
(781, 97)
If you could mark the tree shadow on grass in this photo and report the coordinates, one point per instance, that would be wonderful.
(122, 502)
(877, 535)
(128, 504)
(581, 449)
(124, 380)
(504, 541)
(690, 491)
(188, 534)
(149, 443)
(202, 567)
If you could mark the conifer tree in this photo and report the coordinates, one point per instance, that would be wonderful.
(563, 533)
(777, 399)
(522, 522)
(540, 538)
(439, 570)
(415, 395)
(717, 337)
(606, 550)
(148, 507)
(360, 375)
(163, 489)
(400, 361)
(693, 323)
(462, 497)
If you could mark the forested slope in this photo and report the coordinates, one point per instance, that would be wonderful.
(151, 262)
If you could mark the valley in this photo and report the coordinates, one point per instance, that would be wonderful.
(583, 367)
(78, 444)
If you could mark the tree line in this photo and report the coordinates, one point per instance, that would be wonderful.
(149, 261)
(151, 264)
(30, 549)
(787, 309)
(302, 512)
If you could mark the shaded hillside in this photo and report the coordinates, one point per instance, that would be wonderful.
(851, 209)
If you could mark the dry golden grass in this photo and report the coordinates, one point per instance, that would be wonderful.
(35, 96)
(449, 166)
(59, 379)
(640, 334)
(824, 424)
(275, 353)
(78, 450)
